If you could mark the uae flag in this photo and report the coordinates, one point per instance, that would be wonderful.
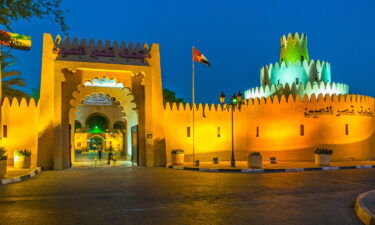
(16, 41)
(199, 57)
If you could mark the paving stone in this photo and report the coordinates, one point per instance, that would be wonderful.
(120, 195)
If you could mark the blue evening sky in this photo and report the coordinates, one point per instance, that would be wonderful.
(237, 37)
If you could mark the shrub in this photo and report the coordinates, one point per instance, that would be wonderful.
(177, 151)
(323, 151)
(255, 153)
(3, 153)
(24, 152)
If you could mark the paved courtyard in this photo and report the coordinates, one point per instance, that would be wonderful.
(121, 195)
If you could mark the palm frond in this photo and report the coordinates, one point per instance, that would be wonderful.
(10, 73)
(11, 92)
(14, 81)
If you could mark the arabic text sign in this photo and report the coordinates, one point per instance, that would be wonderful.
(315, 113)
(99, 53)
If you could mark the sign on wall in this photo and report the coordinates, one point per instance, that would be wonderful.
(99, 99)
(351, 111)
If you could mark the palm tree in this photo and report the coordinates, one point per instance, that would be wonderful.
(10, 78)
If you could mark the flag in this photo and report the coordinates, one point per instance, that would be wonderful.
(199, 57)
(16, 41)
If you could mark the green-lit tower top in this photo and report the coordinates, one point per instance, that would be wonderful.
(296, 73)
(293, 49)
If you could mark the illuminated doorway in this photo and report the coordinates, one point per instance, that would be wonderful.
(102, 126)
(95, 143)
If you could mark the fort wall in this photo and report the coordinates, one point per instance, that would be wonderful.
(288, 128)
(20, 119)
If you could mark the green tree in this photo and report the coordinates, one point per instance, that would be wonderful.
(170, 96)
(11, 79)
(35, 93)
(14, 10)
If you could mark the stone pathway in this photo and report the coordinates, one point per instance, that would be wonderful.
(127, 195)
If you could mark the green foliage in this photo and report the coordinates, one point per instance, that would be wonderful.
(255, 153)
(14, 10)
(11, 78)
(3, 153)
(323, 151)
(177, 151)
(35, 93)
(170, 96)
(23, 152)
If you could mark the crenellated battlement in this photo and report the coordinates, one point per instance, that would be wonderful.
(295, 40)
(307, 70)
(275, 100)
(75, 43)
(68, 49)
(22, 103)
(293, 48)
(297, 89)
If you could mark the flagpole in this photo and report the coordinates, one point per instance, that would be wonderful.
(192, 101)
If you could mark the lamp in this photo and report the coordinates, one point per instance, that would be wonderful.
(222, 98)
(239, 96)
(235, 102)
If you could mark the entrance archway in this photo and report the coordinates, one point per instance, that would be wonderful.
(95, 142)
(64, 69)
(97, 123)
(112, 121)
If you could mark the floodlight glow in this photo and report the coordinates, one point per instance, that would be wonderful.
(103, 83)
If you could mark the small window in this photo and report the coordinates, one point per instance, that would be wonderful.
(346, 129)
(302, 130)
(297, 80)
(5, 131)
(218, 131)
(316, 79)
(188, 131)
(257, 132)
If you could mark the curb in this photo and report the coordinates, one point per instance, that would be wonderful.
(328, 168)
(29, 175)
(363, 213)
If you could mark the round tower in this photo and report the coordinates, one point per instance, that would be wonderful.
(296, 73)
(293, 49)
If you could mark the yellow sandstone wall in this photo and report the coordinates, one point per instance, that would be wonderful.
(20, 117)
(279, 122)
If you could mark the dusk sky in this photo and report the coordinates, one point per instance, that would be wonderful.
(237, 37)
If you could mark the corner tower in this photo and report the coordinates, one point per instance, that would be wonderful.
(296, 73)
(294, 48)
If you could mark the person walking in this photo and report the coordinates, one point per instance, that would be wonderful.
(100, 149)
(110, 153)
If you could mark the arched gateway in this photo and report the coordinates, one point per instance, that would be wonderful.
(72, 72)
